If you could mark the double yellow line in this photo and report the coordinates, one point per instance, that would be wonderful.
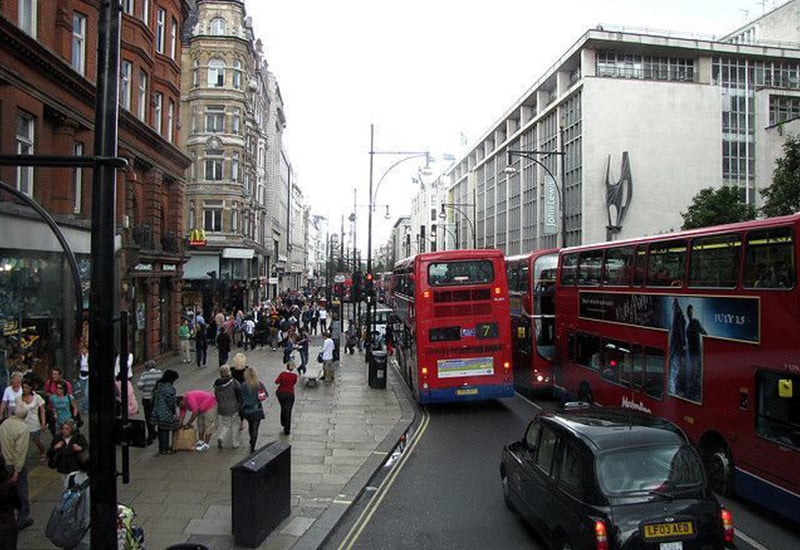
(365, 517)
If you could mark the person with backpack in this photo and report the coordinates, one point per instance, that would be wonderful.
(70, 518)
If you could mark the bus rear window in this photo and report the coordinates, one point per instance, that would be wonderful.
(470, 272)
(444, 334)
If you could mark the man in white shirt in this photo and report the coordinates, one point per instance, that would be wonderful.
(323, 319)
(249, 331)
(327, 357)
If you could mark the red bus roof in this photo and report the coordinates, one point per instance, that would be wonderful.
(792, 219)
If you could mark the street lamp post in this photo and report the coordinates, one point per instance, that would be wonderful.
(407, 155)
(457, 207)
(532, 156)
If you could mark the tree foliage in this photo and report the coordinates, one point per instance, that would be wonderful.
(715, 207)
(783, 196)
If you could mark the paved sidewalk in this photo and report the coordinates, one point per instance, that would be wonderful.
(341, 434)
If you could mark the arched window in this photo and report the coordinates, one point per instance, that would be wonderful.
(216, 73)
(218, 26)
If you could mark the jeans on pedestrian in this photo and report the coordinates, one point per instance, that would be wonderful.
(253, 422)
(286, 399)
(201, 356)
(303, 361)
(22, 488)
(148, 419)
(163, 440)
(229, 423)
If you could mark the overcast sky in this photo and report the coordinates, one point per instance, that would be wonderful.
(427, 73)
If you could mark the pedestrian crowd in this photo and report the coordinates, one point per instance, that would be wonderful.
(31, 407)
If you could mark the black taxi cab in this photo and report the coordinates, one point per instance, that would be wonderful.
(610, 478)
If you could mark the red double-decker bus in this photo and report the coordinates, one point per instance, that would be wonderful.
(701, 327)
(532, 296)
(452, 336)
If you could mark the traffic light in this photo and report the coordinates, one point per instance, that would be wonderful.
(369, 287)
(357, 288)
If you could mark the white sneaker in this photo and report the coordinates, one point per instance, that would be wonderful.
(202, 447)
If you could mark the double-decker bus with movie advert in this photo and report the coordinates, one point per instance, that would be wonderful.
(452, 334)
(532, 297)
(701, 327)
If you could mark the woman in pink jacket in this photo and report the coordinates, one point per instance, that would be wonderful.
(133, 405)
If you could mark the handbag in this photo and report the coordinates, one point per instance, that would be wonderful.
(319, 357)
(184, 439)
(262, 392)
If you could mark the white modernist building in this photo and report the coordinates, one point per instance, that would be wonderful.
(635, 125)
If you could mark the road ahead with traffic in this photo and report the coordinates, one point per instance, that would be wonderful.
(444, 490)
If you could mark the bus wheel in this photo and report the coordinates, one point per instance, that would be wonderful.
(719, 468)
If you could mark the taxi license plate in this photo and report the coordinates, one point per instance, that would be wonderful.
(467, 391)
(664, 530)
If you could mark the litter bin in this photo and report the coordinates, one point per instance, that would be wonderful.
(260, 493)
(377, 370)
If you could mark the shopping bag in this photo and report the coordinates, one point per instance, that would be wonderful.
(319, 357)
(184, 439)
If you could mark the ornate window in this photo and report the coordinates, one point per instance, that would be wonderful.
(215, 161)
(215, 119)
(218, 26)
(237, 74)
(216, 73)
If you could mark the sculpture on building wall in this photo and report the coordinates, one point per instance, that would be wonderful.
(618, 196)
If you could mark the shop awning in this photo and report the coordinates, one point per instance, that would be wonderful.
(199, 265)
(238, 253)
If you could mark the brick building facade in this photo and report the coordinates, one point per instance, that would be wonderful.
(47, 94)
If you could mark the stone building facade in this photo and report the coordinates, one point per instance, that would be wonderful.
(227, 112)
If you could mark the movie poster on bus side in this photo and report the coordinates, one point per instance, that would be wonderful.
(687, 321)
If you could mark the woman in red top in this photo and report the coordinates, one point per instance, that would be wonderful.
(285, 394)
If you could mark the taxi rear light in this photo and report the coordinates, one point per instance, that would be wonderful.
(424, 370)
(426, 294)
(498, 291)
(507, 365)
(727, 525)
(600, 536)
